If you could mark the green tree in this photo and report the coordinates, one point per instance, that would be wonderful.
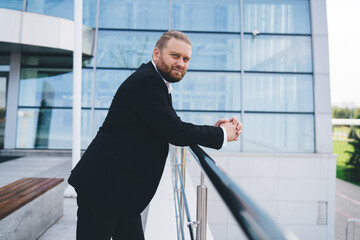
(338, 112)
(356, 113)
(354, 161)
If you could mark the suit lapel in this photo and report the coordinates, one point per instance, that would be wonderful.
(170, 99)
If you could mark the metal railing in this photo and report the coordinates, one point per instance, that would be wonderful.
(255, 223)
(355, 229)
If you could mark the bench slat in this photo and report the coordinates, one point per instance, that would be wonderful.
(22, 184)
(21, 192)
(16, 185)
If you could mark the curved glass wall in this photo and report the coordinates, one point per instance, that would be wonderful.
(268, 85)
(56, 8)
(13, 4)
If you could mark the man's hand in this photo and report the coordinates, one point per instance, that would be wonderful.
(232, 127)
(219, 122)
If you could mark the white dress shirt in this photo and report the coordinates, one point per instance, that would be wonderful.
(170, 89)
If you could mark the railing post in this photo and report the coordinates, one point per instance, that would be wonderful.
(182, 169)
(201, 210)
(178, 219)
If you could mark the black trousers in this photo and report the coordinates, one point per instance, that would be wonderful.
(95, 224)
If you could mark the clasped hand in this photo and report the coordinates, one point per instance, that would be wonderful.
(232, 127)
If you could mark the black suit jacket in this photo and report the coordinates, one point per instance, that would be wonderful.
(122, 167)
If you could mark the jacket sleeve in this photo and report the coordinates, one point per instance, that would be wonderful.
(152, 107)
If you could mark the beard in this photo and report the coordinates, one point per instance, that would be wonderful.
(170, 77)
(170, 73)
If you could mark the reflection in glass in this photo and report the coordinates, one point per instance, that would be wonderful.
(13, 4)
(278, 133)
(51, 87)
(45, 87)
(107, 83)
(215, 51)
(135, 14)
(208, 91)
(277, 16)
(125, 49)
(278, 92)
(202, 15)
(210, 119)
(277, 53)
(49, 128)
(56, 8)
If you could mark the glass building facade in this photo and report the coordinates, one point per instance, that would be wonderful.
(251, 59)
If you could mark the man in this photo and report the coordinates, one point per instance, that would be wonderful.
(119, 173)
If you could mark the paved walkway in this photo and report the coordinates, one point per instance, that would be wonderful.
(347, 205)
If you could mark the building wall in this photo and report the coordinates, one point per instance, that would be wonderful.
(295, 190)
(266, 80)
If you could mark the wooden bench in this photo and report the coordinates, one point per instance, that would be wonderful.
(29, 206)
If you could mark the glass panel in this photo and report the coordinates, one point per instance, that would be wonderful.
(215, 51)
(210, 119)
(99, 117)
(277, 53)
(56, 8)
(51, 87)
(279, 133)
(56, 61)
(107, 83)
(208, 91)
(277, 16)
(13, 4)
(49, 128)
(47, 61)
(3, 87)
(86, 86)
(89, 12)
(135, 14)
(278, 92)
(203, 15)
(125, 49)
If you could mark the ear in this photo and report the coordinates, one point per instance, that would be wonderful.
(156, 54)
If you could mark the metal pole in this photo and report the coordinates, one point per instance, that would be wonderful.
(179, 216)
(182, 169)
(201, 211)
(77, 59)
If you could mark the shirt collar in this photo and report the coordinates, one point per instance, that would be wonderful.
(168, 85)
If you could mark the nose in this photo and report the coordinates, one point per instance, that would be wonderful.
(180, 63)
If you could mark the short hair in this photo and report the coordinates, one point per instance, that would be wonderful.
(163, 40)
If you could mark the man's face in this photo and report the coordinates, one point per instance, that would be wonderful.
(173, 61)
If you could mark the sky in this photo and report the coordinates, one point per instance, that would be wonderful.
(344, 50)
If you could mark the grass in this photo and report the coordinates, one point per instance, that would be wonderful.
(340, 148)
